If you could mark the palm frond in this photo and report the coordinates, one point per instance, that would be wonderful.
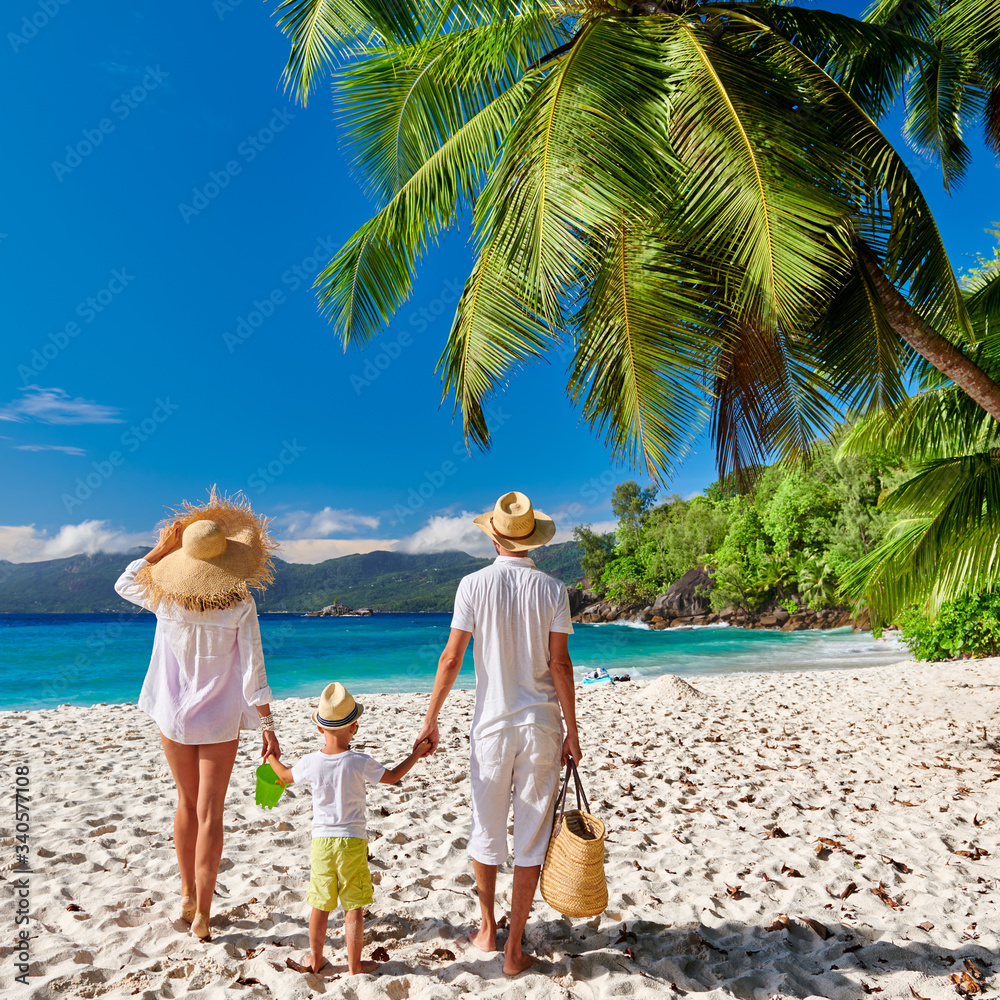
(869, 60)
(493, 333)
(590, 144)
(639, 372)
(402, 104)
(364, 284)
(751, 195)
(915, 256)
(932, 425)
(323, 32)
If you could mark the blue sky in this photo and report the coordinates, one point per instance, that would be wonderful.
(167, 208)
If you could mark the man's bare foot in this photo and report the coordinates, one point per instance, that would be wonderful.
(366, 968)
(485, 939)
(516, 963)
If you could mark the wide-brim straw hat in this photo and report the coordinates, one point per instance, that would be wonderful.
(225, 550)
(337, 709)
(515, 525)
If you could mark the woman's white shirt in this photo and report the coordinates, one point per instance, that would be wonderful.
(206, 674)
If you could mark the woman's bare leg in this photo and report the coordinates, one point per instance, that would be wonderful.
(207, 780)
(183, 761)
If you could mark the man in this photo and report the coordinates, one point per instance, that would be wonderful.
(520, 619)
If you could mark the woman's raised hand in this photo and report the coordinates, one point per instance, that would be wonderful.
(170, 539)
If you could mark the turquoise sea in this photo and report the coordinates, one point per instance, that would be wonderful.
(48, 660)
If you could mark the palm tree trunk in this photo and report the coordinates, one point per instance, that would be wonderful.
(927, 342)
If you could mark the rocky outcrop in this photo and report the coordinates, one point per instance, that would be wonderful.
(688, 596)
(580, 598)
(340, 611)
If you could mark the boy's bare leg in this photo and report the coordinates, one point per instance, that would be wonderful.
(354, 934)
(317, 937)
(485, 939)
(522, 895)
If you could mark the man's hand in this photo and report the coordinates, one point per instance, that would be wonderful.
(571, 748)
(431, 734)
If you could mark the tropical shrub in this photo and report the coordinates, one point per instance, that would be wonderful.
(966, 626)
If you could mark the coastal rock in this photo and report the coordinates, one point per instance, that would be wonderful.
(688, 596)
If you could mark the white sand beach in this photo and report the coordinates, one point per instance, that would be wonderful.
(817, 834)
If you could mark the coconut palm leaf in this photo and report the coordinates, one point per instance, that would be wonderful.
(581, 153)
(867, 60)
(942, 101)
(493, 333)
(402, 104)
(866, 359)
(914, 254)
(749, 196)
(639, 372)
(365, 283)
(323, 32)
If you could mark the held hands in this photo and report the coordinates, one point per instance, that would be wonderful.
(423, 748)
(428, 734)
(270, 748)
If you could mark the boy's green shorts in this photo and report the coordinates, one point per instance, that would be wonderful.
(339, 868)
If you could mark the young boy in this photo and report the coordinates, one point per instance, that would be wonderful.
(340, 844)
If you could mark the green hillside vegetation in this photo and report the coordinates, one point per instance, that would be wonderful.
(787, 538)
(386, 581)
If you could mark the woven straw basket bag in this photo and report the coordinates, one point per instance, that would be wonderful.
(573, 879)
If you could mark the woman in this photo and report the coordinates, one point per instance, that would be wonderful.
(206, 679)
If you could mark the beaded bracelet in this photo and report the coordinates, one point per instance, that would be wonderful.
(267, 723)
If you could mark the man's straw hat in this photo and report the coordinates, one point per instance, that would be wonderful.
(337, 709)
(225, 550)
(514, 525)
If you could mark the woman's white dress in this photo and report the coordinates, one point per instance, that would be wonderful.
(206, 674)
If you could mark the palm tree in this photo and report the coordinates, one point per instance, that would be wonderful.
(690, 198)
(946, 539)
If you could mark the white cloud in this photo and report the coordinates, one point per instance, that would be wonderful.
(301, 524)
(68, 449)
(442, 533)
(55, 406)
(316, 550)
(25, 543)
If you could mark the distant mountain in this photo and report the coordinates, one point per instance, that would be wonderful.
(386, 581)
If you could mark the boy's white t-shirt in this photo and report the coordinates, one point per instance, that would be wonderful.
(338, 790)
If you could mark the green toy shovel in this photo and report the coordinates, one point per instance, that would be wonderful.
(269, 789)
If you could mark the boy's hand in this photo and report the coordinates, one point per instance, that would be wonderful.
(424, 747)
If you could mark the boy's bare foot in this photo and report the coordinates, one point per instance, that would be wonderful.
(199, 927)
(366, 968)
(187, 908)
(516, 963)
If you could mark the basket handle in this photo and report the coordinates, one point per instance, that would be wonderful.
(580, 793)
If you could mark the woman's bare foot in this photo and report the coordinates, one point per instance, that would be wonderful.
(187, 909)
(199, 927)
(516, 962)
